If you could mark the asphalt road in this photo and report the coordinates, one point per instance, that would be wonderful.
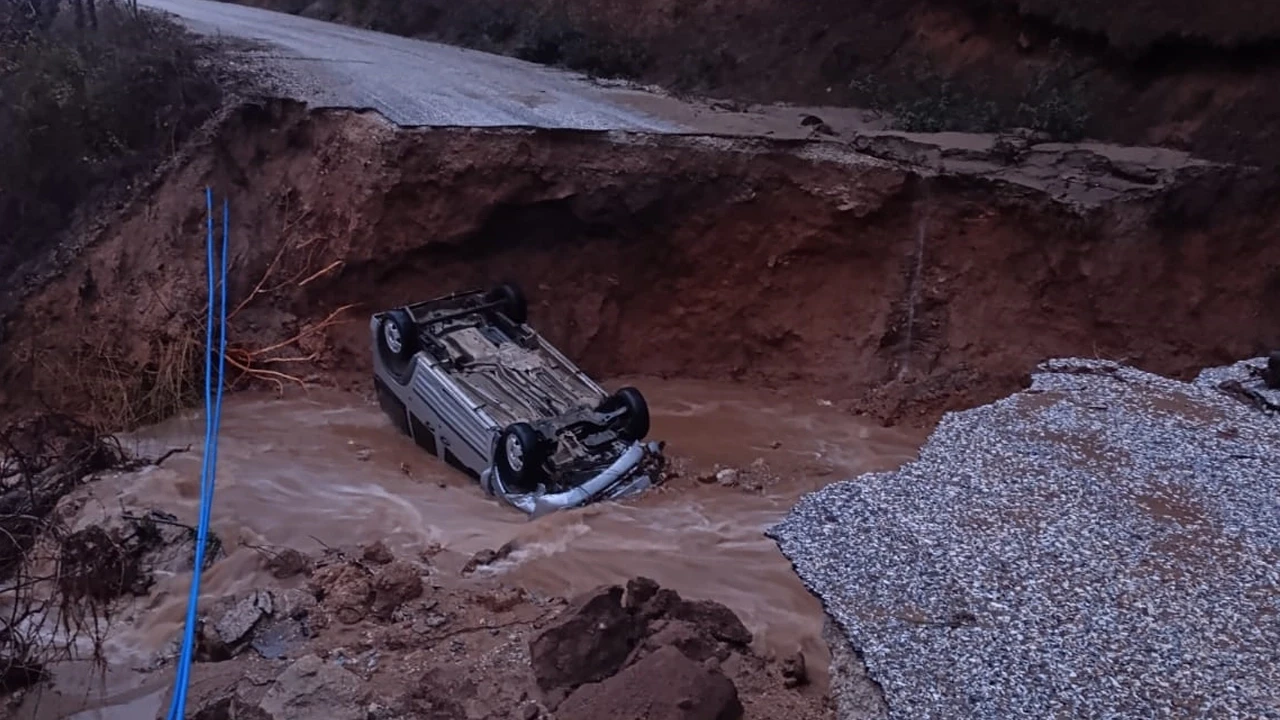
(413, 82)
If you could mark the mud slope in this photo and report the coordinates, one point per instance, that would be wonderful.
(904, 280)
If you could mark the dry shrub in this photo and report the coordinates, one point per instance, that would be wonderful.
(41, 461)
(111, 391)
(85, 109)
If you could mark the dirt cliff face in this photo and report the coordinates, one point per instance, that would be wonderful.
(907, 284)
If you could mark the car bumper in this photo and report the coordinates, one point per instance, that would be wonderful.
(635, 471)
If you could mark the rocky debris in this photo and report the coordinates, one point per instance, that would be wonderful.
(344, 591)
(1255, 381)
(393, 586)
(501, 600)
(311, 689)
(854, 693)
(640, 590)
(666, 685)
(589, 643)
(756, 477)
(124, 552)
(1045, 551)
(795, 671)
(288, 563)
(474, 652)
(685, 637)
(236, 624)
(712, 617)
(230, 708)
(606, 631)
(349, 591)
(488, 557)
(272, 622)
(443, 694)
(377, 553)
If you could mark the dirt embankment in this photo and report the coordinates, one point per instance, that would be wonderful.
(72, 139)
(922, 280)
(1184, 74)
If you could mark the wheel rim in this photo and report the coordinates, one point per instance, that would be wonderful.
(515, 453)
(392, 335)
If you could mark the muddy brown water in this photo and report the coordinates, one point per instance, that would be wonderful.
(326, 467)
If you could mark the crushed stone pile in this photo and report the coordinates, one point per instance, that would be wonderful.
(1103, 544)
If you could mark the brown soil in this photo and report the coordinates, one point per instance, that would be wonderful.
(1187, 74)
(925, 279)
(337, 644)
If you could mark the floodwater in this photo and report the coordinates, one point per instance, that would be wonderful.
(326, 468)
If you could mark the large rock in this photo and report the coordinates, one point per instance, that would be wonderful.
(600, 634)
(713, 618)
(311, 689)
(590, 642)
(237, 622)
(344, 590)
(665, 685)
(394, 585)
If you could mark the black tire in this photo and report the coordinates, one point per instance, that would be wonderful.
(520, 457)
(634, 423)
(1273, 371)
(514, 305)
(399, 336)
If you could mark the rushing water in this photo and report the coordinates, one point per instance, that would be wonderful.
(326, 467)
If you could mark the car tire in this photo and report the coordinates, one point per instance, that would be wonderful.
(514, 305)
(1272, 378)
(635, 421)
(399, 336)
(520, 456)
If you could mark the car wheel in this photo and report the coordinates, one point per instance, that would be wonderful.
(399, 336)
(635, 419)
(520, 457)
(513, 302)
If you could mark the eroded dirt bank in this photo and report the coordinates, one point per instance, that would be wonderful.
(903, 279)
(1184, 74)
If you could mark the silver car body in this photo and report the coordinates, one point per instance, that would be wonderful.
(481, 378)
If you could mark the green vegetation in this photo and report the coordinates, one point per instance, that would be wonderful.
(1049, 104)
(88, 100)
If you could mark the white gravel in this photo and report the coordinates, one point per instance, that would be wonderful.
(1102, 545)
(1243, 380)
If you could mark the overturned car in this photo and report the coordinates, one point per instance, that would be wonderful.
(472, 383)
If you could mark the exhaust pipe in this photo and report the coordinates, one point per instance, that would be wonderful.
(538, 505)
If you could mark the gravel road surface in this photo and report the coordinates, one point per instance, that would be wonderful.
(1102, 545)
(413, 82)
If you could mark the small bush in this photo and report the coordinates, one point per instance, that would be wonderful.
(926, 103)
(84, 108)
(554, 39)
